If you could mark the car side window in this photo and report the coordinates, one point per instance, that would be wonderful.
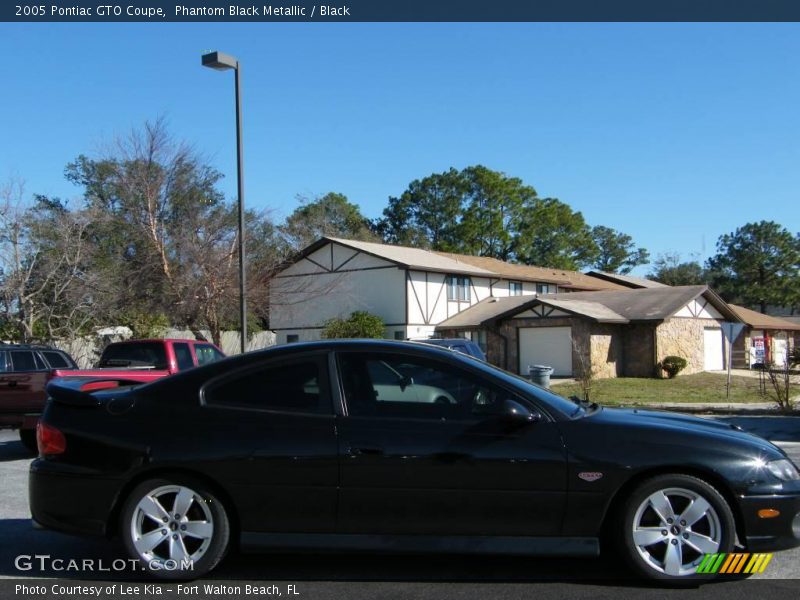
(23, 360)
(4, 362)
(395, 386)
(56, 360)
(288, 387)
(183, 356)
(207, 354)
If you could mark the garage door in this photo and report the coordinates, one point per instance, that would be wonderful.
(550, 346)
(713, 350)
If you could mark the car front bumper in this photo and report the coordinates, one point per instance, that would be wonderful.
(64, 499)
(775, 533)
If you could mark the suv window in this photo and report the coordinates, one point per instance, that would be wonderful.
(206, 353)
(291, 387)
(5, 364)
(56, 360)
(183, 356)
(387, 385)
(139, 354)
(24, 360)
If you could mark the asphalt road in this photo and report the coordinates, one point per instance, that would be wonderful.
(348, 576)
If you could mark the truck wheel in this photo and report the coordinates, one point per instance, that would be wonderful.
(28, 439)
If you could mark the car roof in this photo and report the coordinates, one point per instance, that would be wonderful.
(28, 347)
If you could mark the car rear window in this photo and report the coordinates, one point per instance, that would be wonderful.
(150, 355)
(295, 387)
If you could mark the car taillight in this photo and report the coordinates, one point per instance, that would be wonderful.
(49, 440)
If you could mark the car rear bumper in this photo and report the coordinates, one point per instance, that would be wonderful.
(775, 533)
(70, 502)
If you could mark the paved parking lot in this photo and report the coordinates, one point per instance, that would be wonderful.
(347, 575)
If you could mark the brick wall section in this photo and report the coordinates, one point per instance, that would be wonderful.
(607, 350)
(639, 350)
(683, 337)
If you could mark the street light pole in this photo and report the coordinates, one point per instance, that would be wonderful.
(221, 62)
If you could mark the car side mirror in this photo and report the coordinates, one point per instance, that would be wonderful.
(514, 411)
(406, 381)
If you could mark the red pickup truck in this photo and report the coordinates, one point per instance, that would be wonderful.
(22, 395)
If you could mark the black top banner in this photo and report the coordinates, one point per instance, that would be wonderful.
(403, 11)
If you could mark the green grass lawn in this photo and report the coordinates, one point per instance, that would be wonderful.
(700, 387)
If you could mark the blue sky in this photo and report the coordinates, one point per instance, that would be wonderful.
(673, 133)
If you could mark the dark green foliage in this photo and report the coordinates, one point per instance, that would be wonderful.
(758, 265)
(487, 213)
(331, 215)
(359, 324)
(673, 365)
(669, 270)
(616, 252)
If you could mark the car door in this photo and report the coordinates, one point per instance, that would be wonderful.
(267, 433)
(22, 383)
(445, 460)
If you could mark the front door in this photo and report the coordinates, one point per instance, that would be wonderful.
(425, 449)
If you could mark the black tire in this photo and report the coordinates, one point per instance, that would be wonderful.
(28, 439)
(650, 562)
(202, 554)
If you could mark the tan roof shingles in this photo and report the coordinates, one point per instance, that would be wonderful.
(610, 306)
(561, 277)
(758, 320)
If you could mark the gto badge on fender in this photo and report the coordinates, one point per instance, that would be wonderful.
(590, 475)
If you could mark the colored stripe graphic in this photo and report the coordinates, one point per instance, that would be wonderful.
(733, 563)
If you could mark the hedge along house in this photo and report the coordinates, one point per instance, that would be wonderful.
(411, 289)
(613, 333)
(764, 340)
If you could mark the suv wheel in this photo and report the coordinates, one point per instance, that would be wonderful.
(669, 523)
(176, 528)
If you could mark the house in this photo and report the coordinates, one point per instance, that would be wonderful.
(623, 332)
(765, 339)
(411, 289)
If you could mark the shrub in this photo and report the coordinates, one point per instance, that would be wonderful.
(673, 365)
(359, 324)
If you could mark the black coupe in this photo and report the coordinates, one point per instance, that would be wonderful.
(397, 446)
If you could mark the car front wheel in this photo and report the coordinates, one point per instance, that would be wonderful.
(175, 528)
(669, 523)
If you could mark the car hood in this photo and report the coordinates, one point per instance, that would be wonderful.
(688, 424)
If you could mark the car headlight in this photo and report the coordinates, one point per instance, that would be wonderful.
(783, 469)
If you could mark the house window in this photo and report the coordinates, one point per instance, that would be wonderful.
(292, 338)
(458, 288)
(543, 288)
(515, 288)
(400, 335)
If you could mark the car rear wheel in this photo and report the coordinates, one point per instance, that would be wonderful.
(176, 528)
(669, 523)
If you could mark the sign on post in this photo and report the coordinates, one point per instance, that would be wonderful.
(731, 331)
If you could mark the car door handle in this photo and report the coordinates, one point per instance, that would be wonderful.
(365, 451)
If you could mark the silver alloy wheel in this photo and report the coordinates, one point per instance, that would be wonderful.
(171, 523)
(674, 528)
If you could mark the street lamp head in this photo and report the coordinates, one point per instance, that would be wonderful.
(220, 61)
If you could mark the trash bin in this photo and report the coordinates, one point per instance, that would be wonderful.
(540, 374)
